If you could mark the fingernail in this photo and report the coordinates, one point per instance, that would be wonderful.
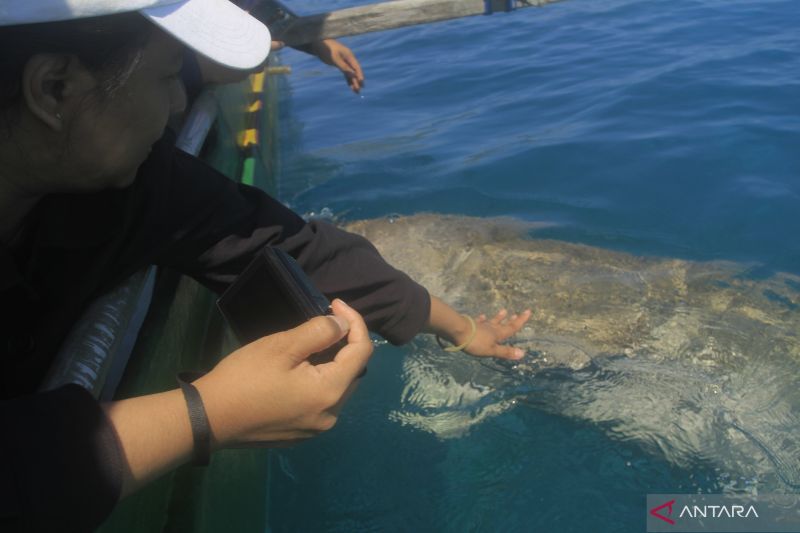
(341, 323)
(342, 302)
(519, 353)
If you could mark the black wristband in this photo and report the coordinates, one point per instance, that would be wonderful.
(201, 430)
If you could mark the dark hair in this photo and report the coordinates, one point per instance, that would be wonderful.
(109, 46)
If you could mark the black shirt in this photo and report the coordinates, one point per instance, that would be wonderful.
(60, 464)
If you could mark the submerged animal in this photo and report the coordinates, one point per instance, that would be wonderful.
(696, 361)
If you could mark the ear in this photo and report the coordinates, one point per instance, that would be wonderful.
(52, 85)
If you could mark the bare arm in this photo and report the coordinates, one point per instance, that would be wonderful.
(154, 434)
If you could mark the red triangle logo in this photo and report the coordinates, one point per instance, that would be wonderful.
(655, 512)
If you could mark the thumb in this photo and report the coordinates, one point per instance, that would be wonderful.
(309, 338)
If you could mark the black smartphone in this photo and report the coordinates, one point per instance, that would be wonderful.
(272, 294)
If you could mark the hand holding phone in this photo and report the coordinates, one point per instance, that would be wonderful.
(266, 394)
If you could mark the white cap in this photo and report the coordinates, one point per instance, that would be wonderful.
(216, 29)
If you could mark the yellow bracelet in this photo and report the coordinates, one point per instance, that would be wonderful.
(466, 343)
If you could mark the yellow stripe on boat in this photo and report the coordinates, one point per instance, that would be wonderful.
(257, 83)
(248, 138)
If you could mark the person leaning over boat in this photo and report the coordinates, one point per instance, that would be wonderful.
(92, 190)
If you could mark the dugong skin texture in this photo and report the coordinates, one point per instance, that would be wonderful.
(600, 301)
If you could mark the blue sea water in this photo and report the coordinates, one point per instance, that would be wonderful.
(650, 127)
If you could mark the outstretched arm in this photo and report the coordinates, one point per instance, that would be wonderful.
(329, 51)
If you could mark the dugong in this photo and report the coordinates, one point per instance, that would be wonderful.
(697, 362)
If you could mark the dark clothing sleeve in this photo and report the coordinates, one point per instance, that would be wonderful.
(61, 467)
(235, 221)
